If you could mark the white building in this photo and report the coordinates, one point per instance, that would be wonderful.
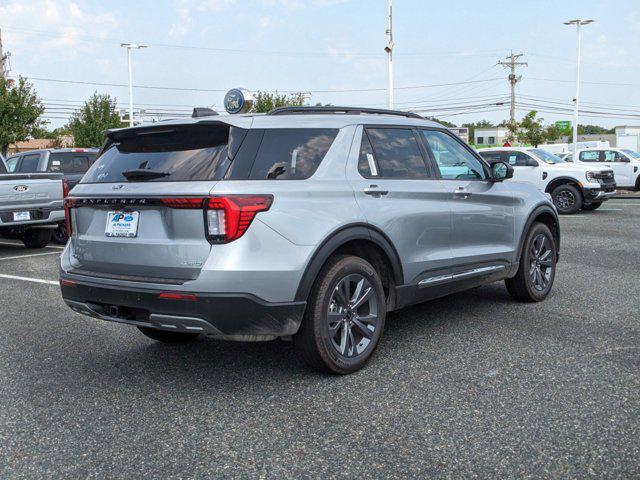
(490, 136)
(628, 137)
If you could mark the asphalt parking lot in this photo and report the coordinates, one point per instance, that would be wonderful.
(470, 385)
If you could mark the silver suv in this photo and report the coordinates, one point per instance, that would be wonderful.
(305, 223)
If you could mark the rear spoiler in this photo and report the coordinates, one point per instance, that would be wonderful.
(31, 176)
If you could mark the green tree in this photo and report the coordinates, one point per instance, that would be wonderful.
(594, 129)
(552, 133)
(88, 124)
(265, 101)
(20, 110)
(531, 130)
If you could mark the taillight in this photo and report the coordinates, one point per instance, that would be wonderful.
(228, 217)
(68, 203)
(65, 188)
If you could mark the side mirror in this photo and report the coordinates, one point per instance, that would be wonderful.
(532, 163)
(501, 171)
(624, 160)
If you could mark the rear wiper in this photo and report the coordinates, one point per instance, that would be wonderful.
(143, 174)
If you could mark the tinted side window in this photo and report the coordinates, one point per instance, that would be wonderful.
(612, 156)
(2, 167)
(68, 162)
(491, 157)
(397, 153)
(590, 156)
(517, 159)
(454, 160)
(11, 163)
(291, 153)
(30, 163)
(366, 162)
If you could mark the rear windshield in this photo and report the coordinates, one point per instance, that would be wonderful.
(176, 155)
(70, 162)
(205, 152)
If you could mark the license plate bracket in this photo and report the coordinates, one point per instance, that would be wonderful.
(21, 216)
(122, 224)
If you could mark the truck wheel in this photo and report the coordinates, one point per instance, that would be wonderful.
(567, 199)
(537, 268)
(36, 238)
(344, 318)
(166, 336)
(591, 206)
(59, 235)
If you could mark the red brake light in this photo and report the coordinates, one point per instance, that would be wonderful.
(228, 217)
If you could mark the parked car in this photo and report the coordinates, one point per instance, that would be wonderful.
(625, 164)
(73, 163)
(307, 223)
(572, 187)
(30, 206)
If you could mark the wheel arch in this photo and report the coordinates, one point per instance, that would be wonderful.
(556, 182)
(359, 239)
(544, 214)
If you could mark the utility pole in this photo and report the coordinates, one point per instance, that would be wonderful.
(389, 50)
(129, 47)
(578, 23)
(512, 64)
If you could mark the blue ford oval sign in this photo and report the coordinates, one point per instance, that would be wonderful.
(238, 100)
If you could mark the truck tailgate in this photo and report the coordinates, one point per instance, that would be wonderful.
(26, 191)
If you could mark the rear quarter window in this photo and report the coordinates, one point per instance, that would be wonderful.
(291, 153)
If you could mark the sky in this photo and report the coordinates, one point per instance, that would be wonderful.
(445, 56)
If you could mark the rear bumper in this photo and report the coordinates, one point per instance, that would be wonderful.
(230, 316)
(39, 217)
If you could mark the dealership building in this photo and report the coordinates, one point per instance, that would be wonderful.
(490, 136)
(628, 137)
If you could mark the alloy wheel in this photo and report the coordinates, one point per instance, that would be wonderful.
(352, 315)
(541, 262)
(565, 199)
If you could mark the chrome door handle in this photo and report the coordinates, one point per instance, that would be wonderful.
(375, 190)
(461, 192)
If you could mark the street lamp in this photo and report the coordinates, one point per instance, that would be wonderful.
(129, 47)
(578, 23)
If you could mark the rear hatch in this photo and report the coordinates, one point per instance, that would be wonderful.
(36, 193)
(137, 214)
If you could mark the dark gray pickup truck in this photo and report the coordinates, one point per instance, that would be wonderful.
(31, 206)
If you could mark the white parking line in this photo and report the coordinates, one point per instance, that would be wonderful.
(28, 255)
(28, 279)
(12, 244)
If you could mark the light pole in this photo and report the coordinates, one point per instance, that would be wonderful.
(389, 50)
(129, 47)
(578, 23)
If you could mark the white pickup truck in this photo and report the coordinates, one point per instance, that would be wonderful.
(571, 186)
(30, 206)
(625, 164)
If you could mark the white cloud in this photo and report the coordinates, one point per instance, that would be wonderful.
(43, 28)
(184, 11)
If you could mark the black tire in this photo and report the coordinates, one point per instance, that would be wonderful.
(59, 235)
(166, 336)
(523, 286)
(330, 307)
(567, 199)
(36, 238)
(591, 206)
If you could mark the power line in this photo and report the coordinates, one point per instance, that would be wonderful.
(350, 90)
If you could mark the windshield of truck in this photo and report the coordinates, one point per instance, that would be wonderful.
(632, 154)
(545, 156)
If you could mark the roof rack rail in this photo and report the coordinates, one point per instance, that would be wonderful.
(344, 110)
